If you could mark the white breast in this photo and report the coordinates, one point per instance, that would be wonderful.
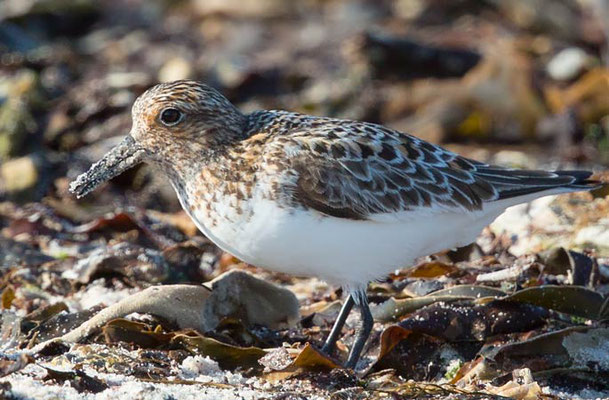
(341, 251)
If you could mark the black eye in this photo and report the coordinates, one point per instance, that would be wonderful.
(170, 116)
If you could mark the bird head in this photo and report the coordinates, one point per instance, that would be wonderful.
(170, 122)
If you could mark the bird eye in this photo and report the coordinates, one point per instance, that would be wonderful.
(170, 116)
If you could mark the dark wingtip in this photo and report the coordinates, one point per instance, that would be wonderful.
(580, 180)
(568, 181)
(577, 175)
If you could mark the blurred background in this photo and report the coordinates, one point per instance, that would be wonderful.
(521, 82)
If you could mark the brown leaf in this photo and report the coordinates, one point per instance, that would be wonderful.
(10, 365)
(120, 222)
(432, 269)
(471, 291)
(180, 220)
(310, 358)
(8, 295)
(561, 261)
(44, 313)
(406, 351)
(391, 337)
(77, 379)
(26, 225)
(226, 355)
(394, 309)
(123, 222)
(123, 330)
(60, 323)
(570, 347)
(465, 321)
(574, 300)
(590, 89)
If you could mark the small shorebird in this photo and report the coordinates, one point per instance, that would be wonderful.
(344, 201)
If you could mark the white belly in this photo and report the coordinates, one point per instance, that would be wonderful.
(340, 251)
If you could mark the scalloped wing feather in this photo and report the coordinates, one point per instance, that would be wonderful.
(354, 170)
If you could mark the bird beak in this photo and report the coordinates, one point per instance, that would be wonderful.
(125, 155)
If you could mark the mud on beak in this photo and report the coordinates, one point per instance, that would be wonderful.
(125, 155)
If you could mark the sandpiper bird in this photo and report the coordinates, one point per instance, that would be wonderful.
(341, 200)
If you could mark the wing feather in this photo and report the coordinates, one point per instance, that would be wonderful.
(353, 170)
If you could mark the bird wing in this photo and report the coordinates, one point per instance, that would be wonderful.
(350, 169)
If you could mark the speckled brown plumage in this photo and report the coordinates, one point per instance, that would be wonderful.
(340, 168)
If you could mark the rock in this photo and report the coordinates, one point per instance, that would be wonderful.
(514, 159)
(408, 9)
(555, 18)
(518, 222)
(255, 301)
(122, 80)
(243, 8)
(568, 64)
(556, 261)
(19, 174)
(588, 95)
(26, 178)
(235, 294)
(328, 314)
(52, 17)
(407, 58)
(14, 253)
(422, 287)
(594, 235)
(504, 102)
(194, 366)
(181, 304)
(138, 263)
(175, 69)
(19, 95)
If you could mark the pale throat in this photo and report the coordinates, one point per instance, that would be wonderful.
(206, 177)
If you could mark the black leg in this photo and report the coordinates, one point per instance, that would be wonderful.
(328, 346)
(362, 335)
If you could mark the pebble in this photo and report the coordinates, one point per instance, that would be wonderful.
(19, 174)
(596, 235)
(175, 69)
(568, 64)
(254, 300)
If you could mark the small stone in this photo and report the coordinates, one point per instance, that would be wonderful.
(255, 301)
(19, 95)
(514, 159)
(16, 253)
(595, 235)
(231, 72)
(175, 69)
(122, 80)
(276, 360)
(140, 263)
(242, 8)
(194, 366)
(19, 174)
(568, 64)
(422, 287)
(516, 222)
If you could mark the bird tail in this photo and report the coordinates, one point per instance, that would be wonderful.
(512, 183)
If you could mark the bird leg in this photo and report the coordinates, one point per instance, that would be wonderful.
(362, 334)
(330, 343)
